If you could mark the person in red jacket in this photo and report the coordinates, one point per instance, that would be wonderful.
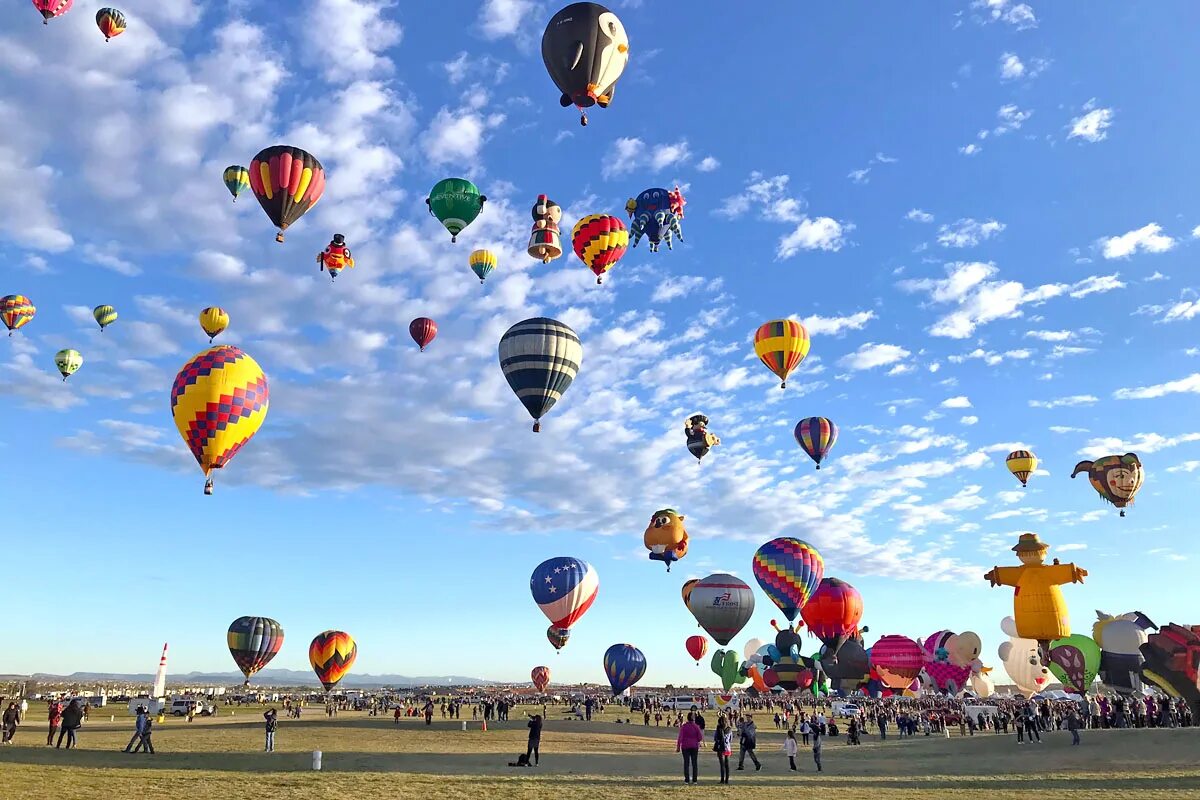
(55, 716)
(688, 743)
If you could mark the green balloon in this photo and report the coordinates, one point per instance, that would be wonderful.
(725, 665)
(1075, 660)
(456, 202)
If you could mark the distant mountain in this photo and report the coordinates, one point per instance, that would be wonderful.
(268, 677)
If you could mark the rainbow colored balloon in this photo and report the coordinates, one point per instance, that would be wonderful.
(789, 571)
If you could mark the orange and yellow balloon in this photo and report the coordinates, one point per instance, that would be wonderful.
(15, 311)
(219, 401)
(781, 344)
(331, 655)
(111, 22)
(213, 320)
(600, 240)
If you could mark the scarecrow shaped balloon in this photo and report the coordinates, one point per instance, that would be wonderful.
(1038, 605)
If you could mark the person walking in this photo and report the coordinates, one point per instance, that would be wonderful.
(790, 748)
(688, 742)
(1031, 725)
(272, 725)
(533, 749)
(139, 727)
(54, 715)
(72, 720)
(145, 745)
(723, 746)
(11, 719)
(1073, 725)
(747, 741)
(816, 747)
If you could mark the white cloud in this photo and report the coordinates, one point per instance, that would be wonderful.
(363, 34)
(971, 149)
(956, 402)
(483, 69)
(969, 420)
(673, 287)
(769, 196)
(1190, 384)
(1066, 429)
(817, 325)
(1011, 119)
(1140, 443)
(1147, 239)
(871, 355)
(457, 136)
(979, 300)
(500, 18)
(917, 215)
(819, 233)
(1019, 15)
(1092, 126)
(630, 154)
(707, 164)
(1013, 68)
(1051, 336)
(1066, 402)
(1185, 309)
(859, 175)
(968, 232)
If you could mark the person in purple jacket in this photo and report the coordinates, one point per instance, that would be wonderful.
(688, 743)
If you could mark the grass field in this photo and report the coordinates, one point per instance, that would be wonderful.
(371, 758)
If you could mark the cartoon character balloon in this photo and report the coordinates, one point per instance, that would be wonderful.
(253, 642)
(944, 675)
(897, 660)
(287, 182)
(725, 665)
(564, 588)
(585, 50)
(1022, 464)
(1022, 660)
(722, 604)
(540, 358)
(331, 655)
(699, 440)
(665, 537)
(1075, 660)
(789, 571)
(1172, 663)
(219, 401)
(600, 240)
(653, 218)
(781, 345)
(624, 665)
(1116, 478)
(1120, 639)
(540, 677)
(545, 242)
(455, 202)
(104, 316)
(1038, 604)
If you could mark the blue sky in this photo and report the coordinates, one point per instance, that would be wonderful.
(984, 213)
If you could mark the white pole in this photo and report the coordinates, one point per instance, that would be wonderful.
(316, 759)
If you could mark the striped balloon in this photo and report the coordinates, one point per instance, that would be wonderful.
(816, 436)
(288, 182)
(423, 330)
(104, 316)
(600, 240)
(540, 677)
(789, 571)
(52, 8)
(624, 665)
(253, 642)
(1022, 464)
(482, 263)
(722, 604)
(237, 180)
(16, 311)
(564, 588)
(219, 400)
(558, 636)
(110, 22)
(540, 358)
(781, 344)
(331, 655)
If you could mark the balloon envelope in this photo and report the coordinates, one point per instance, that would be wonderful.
(585, 50)
(781, 345)
(816, 436)
(898, 660)
(564, 588)
(16, 311)
(253, 642)
(624, 665)
(104, 316)
(287, 182)
(722, 604)
(540, 677)
(696, 646)
(540, 358)
(788, 570)
(331, 655)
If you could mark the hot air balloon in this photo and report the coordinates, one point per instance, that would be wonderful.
(16, 311)
(423, 330)
(331, 655)
(832, 614)
(288, 182)
(788, 570)
(699, 440)
(104, 316)
(52, 8)
(540, 677)
(722, 604)
(624, 665)
(1116, 478)
(253, 642)
(540, 358)
(482, 263)
(688, 585)
(781, 344)
(665, 536)
(1171, 663)
(335, 257)
(897, 660)
(456, 202)
(219, 400)
(68, 362)
(816, 436)
(946, 676)
(652, 216)
(545, 241)
(1038, 605)
(600, 240)
(213, 320)
(724, 665)
(564, 588)
(696, 646)
(237, 180)
(585, 50)
(110, 22)
(1120, 639)
(1022, 463)
(1075, 660)
(558, 636)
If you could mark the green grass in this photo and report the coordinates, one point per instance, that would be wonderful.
(371, 758)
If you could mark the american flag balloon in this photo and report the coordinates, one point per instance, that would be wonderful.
(564, 589)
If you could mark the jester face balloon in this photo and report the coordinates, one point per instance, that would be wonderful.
(1116, 478)
(788, 570)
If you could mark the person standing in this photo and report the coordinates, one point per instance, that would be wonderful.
(11, 719)
(72, 720)
(816, 747)
(1073, 725)
(139, 727)
(723, 746)
(688, 742)
(272, 725)
(747, 741)
(533, 749)
(55, 716)
(790, 748)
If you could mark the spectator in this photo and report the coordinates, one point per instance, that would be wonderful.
(688, 742)
(272, 725)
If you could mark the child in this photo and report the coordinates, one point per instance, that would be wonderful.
(816, 745)
(790, 747)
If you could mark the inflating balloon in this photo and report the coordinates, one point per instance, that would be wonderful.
(253, 642)
(624, 665)
(585, 50)
(1172, 663)
(1022, 660)
(1120, 639)
(832, 614)
(897, 660)
(540, 358)
(788, 570)
(1075, 661)
(331, 655)
(725, 665)
(1115, 478)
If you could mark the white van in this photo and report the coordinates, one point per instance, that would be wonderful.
(180, 708)
(847, 710)
(682, 703)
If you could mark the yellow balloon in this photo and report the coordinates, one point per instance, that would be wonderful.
(1022, 464)
(781, 345)
(213, 320)
(219, 401)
